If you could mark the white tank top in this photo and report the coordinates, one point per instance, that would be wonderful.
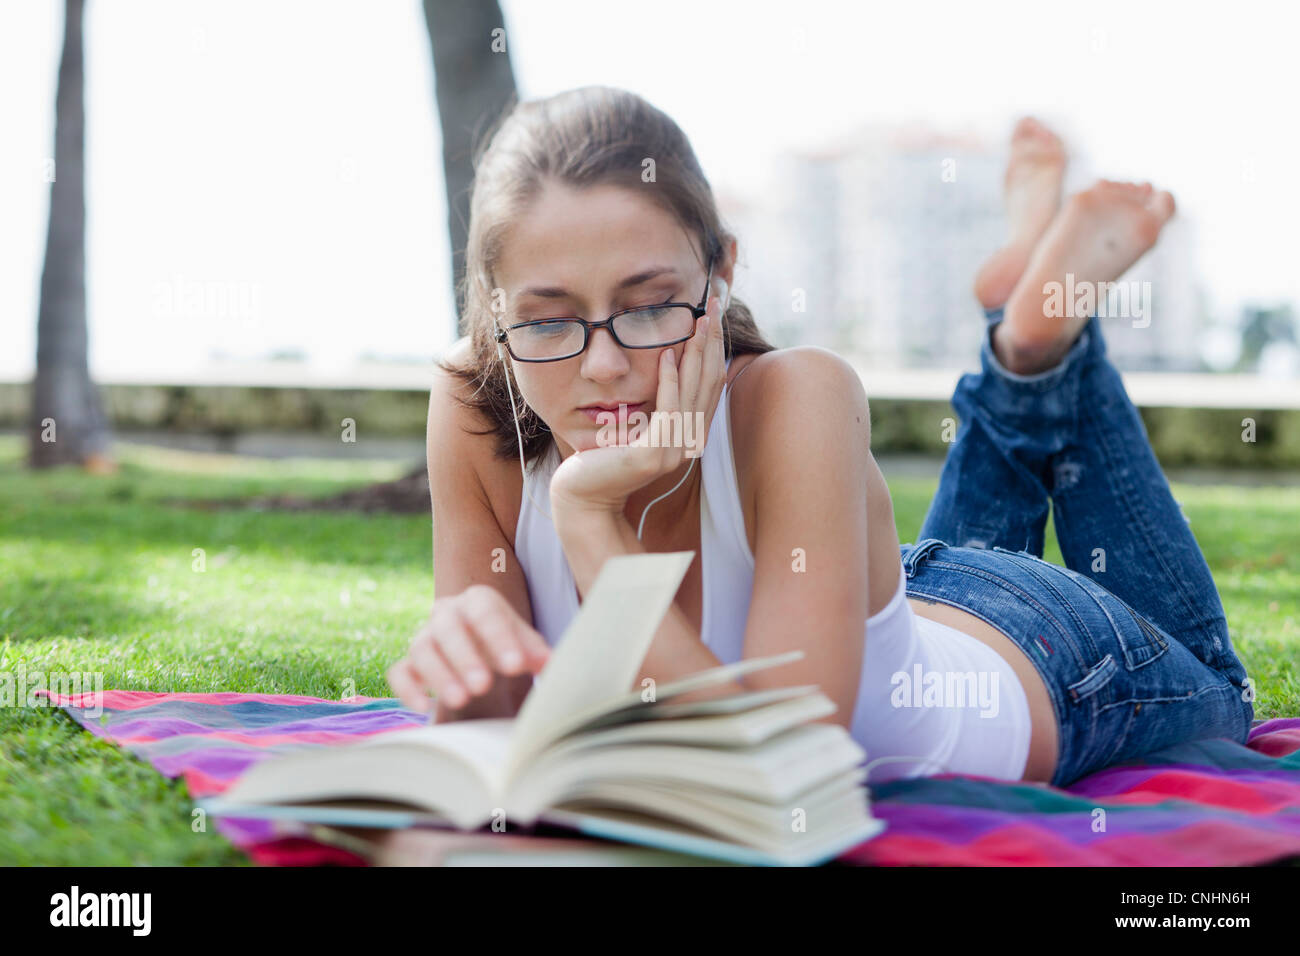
(891, 717)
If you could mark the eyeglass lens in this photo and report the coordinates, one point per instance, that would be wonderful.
(641, 328)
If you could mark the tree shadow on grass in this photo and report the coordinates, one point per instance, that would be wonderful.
(39, 603)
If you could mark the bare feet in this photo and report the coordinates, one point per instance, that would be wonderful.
(1097, 235)
(1032, 191)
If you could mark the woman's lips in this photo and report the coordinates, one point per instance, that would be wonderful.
(621, 413)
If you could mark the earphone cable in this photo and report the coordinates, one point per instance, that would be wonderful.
(896, 758)
(523, 469)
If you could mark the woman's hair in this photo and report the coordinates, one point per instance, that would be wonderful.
(595, 135)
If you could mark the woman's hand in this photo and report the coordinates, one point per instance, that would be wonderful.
(470, 640)
(601, 479)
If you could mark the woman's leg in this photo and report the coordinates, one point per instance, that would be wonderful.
(1031, 194)
(1117, 521)
(1061, 420)
(993, 487)
(1047, 418)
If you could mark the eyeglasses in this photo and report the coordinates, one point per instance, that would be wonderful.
(644, 327)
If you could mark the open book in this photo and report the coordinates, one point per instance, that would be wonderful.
(746, 777)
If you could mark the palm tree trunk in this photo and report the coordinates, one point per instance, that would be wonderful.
(475, 84)
(68, 423)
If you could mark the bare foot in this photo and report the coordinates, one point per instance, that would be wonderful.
(1097, 235)
(1032, 193)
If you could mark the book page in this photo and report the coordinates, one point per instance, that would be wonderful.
(634, 706)
(600, 653)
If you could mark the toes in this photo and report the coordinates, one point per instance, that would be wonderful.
(1161, 205)
(1145, 193)
(1157, 209)
(1028, 127)
(1102, 191)
(1132, 192)
(1157, 205)
(1033, 133)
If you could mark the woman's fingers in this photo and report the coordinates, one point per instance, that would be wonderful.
(710, 354)
(715, 365)
(492, 626)
(668, 396)
(407, 686)
(513, 644)
(693, 362)
(435, 673)
(467, 641)
(457, 647)
(667, 401)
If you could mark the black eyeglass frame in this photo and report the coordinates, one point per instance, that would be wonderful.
(589, 327)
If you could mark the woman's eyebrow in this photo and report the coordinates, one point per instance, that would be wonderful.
(559, 292)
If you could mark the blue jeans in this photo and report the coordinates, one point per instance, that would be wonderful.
(1130, 636)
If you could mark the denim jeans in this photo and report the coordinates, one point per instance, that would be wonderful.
(1130, 636)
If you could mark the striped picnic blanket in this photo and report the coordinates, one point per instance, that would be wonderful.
(1207, 803)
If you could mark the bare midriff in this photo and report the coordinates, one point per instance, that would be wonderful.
(1043, 747)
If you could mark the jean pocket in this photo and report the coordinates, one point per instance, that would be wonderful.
(1144, 646)
(1140, 642)
(1210, 711)
(1098, 676)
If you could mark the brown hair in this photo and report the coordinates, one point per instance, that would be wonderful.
(594, 135)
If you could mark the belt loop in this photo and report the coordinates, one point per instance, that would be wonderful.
(918, 554)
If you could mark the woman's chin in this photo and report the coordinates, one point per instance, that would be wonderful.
(583, 440)
(588, 440)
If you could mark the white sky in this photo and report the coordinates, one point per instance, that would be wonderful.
(286, 154)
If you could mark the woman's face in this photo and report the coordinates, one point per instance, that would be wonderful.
(570, 255)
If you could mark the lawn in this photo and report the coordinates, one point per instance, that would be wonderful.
(99, 574)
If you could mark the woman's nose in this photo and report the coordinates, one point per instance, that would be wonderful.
(604, 356)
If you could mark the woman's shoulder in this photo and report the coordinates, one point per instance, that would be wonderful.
(464, 435)
(804, 377)
(777, 400)
(452, 421)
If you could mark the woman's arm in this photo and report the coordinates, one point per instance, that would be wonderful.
(466, 534)
(810, 459)
(810, 455)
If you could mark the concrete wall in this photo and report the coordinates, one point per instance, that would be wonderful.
(240, 417)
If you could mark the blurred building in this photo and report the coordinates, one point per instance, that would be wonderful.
(869, 246)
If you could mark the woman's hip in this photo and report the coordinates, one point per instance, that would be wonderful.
(1119, 685)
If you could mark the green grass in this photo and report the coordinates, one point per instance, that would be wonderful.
(96, 574)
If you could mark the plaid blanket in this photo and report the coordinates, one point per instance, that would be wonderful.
(1207, 803)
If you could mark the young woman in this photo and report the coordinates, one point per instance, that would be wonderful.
(597, 276)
